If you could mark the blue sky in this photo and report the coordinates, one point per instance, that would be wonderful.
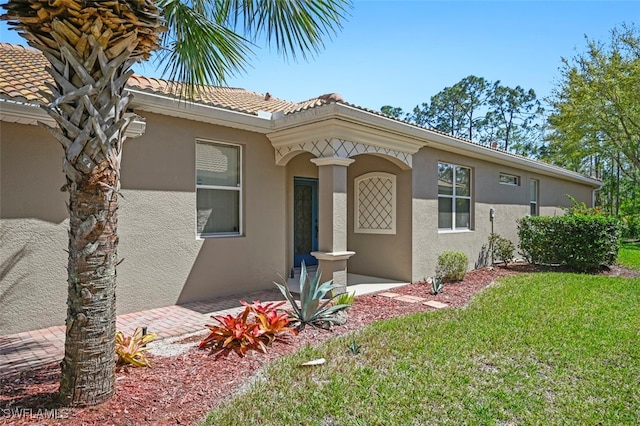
(403, 52)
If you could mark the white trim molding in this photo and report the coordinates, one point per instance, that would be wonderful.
(332, 148)
(336, 255)
(32, 114)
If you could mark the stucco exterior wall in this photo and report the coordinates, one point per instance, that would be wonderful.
(210, 266)
(381, 255)
(164, 263)
(33, 230)
(509, 203)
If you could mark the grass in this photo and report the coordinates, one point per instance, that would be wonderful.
(629, 255)
(536, 349)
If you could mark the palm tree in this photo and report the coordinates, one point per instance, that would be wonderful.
(91, 46)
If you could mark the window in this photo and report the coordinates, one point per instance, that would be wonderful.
(218, 189)
(507, 179)
(454, 197)
(375, 203)
(533, 197)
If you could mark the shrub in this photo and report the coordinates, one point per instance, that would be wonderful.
(131, 349)
(452, 265)
(630, 227)
(501, 248)
(582, 209)
(314, 309)
(580, 241)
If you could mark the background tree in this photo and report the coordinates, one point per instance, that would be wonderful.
(595, 118)
(395, 112)
(511, 118)
(486, 112)
(91, 47)
(444, 112)
(474, 95)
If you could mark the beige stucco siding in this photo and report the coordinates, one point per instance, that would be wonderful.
(212, 266)
(164, 263)
(33, 230)
(509, 203)
(381, 255)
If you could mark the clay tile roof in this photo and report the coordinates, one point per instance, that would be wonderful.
(22, 77)
(22, 73)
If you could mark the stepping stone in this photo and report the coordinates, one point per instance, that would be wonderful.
(389, 294)
(410, 299)
(435, 304)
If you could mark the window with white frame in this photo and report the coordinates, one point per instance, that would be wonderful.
(218, 189)
(454, 197)
(507, 179)
(533, 197)
(375, 203)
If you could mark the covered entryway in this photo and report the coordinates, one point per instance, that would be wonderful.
(322, 143)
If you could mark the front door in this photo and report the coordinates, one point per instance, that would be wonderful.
(305, 220)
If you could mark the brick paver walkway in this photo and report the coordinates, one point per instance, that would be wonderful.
(32, 349)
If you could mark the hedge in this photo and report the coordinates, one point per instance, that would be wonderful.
(581, 242)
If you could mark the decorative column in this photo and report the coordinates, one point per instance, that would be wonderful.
(332, 251)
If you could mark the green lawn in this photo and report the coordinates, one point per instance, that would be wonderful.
(629, 255)
(536, 349)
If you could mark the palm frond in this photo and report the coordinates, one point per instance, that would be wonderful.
(292, 26)
(209, 41)
(197, 49)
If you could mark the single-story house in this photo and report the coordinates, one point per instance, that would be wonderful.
(223, 194)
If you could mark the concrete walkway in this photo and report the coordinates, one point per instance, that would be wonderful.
(33, 349)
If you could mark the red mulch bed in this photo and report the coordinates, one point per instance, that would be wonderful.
(183, 388)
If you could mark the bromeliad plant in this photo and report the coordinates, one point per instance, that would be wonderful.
(131, 349)
(257, 326)
(315, 308)
(271, 320)
(345, 298)
(233, 334)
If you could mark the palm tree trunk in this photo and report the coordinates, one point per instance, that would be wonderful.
(90, 46)
(88, 368)
(97, 101)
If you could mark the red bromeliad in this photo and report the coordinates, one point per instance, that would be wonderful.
(243, 332)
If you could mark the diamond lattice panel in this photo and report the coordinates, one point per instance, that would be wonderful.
(339, 148)
(375, 204)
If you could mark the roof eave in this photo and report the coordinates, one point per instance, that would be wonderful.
(401, 135)
(340, 121)
(31, 114)
(180, 108)
(482, 152)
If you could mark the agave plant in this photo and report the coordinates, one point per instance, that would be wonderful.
(436, 285)
(313, 309)
(130, 349)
